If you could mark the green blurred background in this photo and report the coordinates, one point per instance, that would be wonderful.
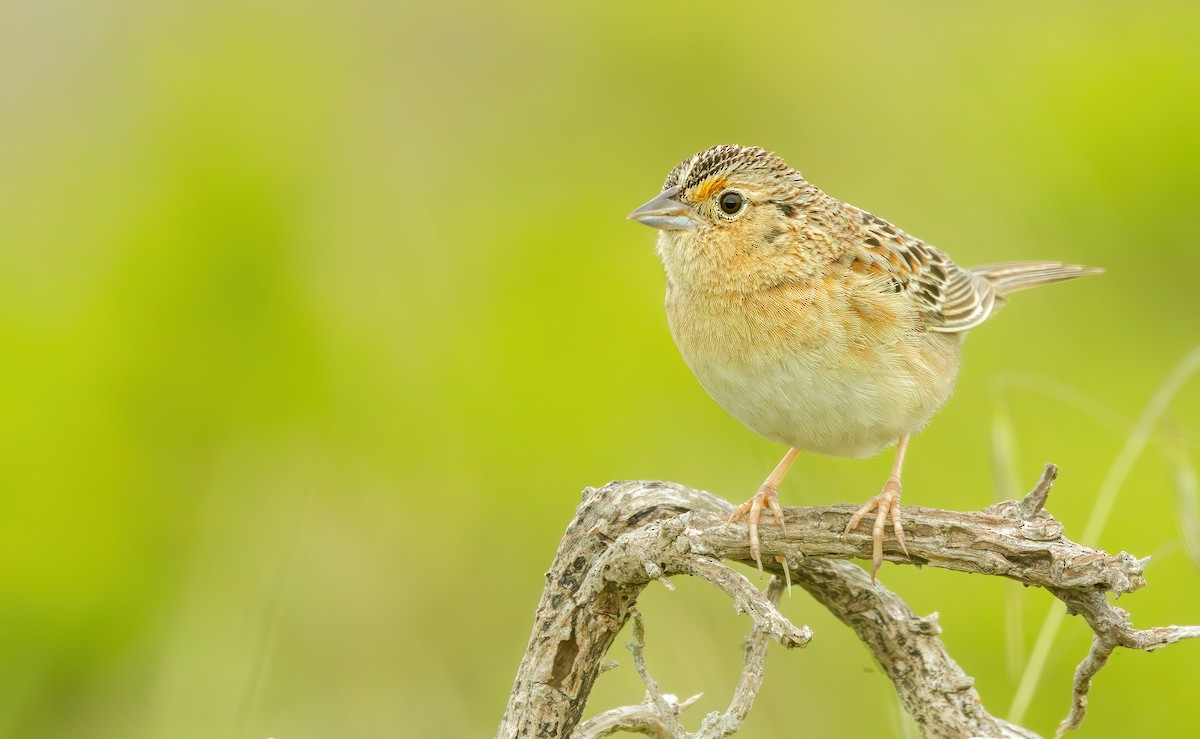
(316, 318)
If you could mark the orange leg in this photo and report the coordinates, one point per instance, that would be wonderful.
(766, 497)
(886, 505)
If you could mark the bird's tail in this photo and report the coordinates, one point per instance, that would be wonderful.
(1013, 276)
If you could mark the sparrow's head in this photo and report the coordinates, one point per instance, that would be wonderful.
(725, 212)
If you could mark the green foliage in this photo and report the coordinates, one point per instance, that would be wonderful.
(306, 308)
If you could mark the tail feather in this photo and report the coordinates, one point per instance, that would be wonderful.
(1013, 276)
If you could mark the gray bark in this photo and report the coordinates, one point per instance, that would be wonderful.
(627, 534)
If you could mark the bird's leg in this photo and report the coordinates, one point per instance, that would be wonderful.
(886, 505)
(766, 497)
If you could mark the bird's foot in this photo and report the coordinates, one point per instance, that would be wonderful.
(886, 505)
(751, 510)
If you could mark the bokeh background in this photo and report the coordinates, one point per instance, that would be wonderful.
(316, 317)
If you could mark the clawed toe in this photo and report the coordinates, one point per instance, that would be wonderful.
(751, 510)
(886, 506)
(766, 497)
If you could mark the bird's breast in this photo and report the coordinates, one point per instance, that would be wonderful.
(822, 367)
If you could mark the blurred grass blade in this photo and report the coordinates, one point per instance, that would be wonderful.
(1187, 490)
(1063, 393)
(1135, 443)
(1004, 454)
(1014, 627)
(1004, 481)
(905, 726)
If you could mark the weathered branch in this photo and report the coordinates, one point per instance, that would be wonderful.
(629, 533)
(933, 689)
(1112, 629)
(752, 675)
(644, 718)
(571, 635)
(656, 715)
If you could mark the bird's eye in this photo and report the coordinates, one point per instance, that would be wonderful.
(731, 202)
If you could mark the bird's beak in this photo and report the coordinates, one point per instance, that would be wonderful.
(665, 213)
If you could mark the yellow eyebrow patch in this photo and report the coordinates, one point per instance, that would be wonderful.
(708, 188)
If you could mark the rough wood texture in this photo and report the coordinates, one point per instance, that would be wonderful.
(627, 534)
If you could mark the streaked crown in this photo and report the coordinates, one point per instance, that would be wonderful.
(725, 159)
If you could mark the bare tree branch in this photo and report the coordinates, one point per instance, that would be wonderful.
(667, 712)
(630, 533)
(657, 715)
(933, 689)
(571, 635)
(644, 718)
(718, 726)
(1112, 629)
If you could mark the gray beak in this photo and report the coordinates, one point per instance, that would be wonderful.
(665, 213)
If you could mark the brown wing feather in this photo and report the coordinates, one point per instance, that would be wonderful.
(950, 297)
(1013, 276)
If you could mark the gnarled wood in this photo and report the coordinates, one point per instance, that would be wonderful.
(628, 533)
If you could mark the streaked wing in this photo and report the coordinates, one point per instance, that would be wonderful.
(949, 297)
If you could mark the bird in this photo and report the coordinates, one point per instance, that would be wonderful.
(814, 323)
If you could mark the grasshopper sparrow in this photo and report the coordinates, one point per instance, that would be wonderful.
(814, 323)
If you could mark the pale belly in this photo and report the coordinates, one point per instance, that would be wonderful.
(825, 395)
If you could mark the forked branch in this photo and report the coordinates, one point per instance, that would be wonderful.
(628, 534)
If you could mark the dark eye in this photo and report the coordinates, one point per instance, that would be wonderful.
(731, 202)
